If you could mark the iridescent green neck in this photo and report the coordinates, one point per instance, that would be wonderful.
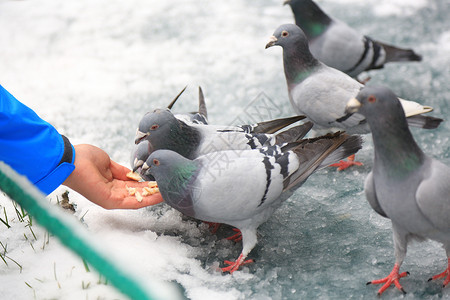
(177, 187)
(396, 151)
(299, 64)
(181, 175)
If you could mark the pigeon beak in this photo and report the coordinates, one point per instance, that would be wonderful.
(352, 106)
(137, 164)
(140, 136)
(145, 167)
(272, 41)
(286, 2)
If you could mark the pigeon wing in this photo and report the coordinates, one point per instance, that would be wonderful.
(371, 195)
(226, 194)
(322, 97)
(433, 194)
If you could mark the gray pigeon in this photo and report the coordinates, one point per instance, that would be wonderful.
(191, 136)
(339, 46)
(405, 185)
(141, 151)
(243, 188)
(164, 131)
(139, 155)
(321, 92)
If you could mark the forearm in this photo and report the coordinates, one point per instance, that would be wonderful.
(32, 146)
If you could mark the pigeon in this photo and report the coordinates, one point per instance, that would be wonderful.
(142, 150)
(339, 46)
(164, 131)
(405, 185)
(321, 92)
(191, 135)
(243, 188)
(139, 155)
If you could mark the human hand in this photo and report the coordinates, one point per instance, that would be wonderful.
(104, 181)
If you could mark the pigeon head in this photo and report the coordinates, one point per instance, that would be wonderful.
(379, 105)
(164, 131)
(155, 125)
(298, 61)
(163, 164)
(140, 154)
(287, 36)
(175, 175)
(393, 142)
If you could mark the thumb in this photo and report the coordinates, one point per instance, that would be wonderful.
(119, 172)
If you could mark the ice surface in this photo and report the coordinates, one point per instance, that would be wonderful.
(93, 68)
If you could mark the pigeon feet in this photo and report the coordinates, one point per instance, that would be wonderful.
(392, 278)
(344, 164)
(214, 226)
(234, 265)
(445, 274)
(235, 237)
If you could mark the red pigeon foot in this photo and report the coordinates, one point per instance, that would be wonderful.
(214, 226)
(344, 164)
(235, 237)
(392, 278)
(445, 274)
(234, 265)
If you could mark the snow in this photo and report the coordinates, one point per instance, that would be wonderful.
(93, 68)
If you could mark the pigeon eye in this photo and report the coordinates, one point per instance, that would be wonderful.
(372, 99)
(156, 162)
(284, 33)
(154, 127)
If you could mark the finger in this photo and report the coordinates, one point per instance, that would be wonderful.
(130, 202)
(136, 184)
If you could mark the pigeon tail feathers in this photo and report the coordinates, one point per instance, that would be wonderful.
(425, 122)
(399, 54)
(313, 152)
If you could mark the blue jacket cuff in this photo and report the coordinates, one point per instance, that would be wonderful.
(65, 167)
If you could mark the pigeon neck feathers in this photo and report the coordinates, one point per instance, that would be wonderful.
(183, 139)
(396, 151)
(395, 148)
(310, 17)
(298, 62)
(175, 179)
(164, 131)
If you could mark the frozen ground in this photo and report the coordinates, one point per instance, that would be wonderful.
(93, 68)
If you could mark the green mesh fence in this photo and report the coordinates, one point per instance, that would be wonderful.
(70, 233)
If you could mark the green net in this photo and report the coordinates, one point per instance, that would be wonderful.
(70, 232)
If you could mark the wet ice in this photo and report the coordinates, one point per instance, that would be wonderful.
(93, 69)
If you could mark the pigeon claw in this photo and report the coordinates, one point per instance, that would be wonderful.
(214, 226)
(445, 274)
(345, 164)
(234, 265)
(392, 278)
(235, 237)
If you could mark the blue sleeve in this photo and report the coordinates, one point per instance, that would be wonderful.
(33, 147)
